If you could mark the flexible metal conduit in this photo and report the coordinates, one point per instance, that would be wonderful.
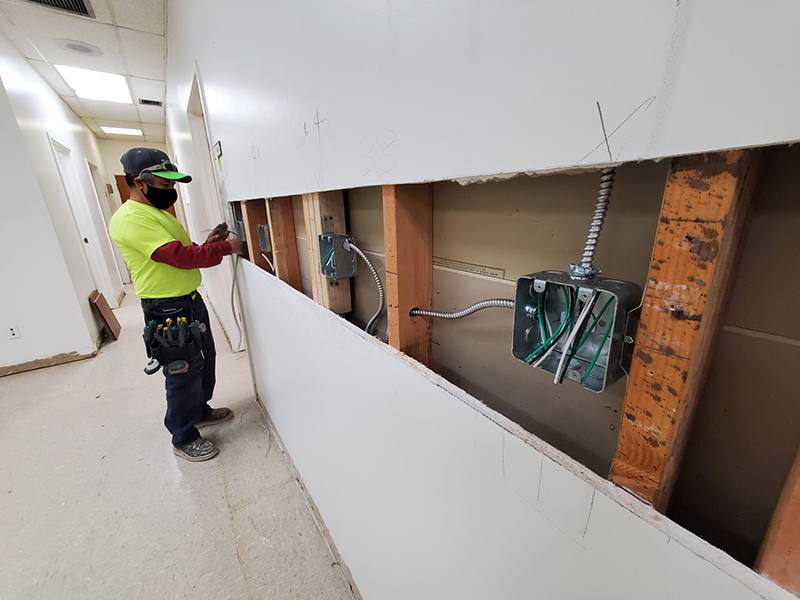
(493, 303)
(599, 216)
(378, 283)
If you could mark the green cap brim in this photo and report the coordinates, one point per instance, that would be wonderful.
(174, 176)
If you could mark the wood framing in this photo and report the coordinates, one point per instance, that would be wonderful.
(324, 213)
(704, 210)
(254, 213)
(408, 241)
(284, 242)
(779, 558)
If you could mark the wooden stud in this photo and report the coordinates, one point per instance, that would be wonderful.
(254, 213)
(284, 242)
(408, 240)
(779, 558)
(324, 213)
(704, 211)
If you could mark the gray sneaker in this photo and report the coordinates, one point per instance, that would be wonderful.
(199, 450)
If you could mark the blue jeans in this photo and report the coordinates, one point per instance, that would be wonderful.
(188, 393)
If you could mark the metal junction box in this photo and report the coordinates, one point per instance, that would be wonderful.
(547, 306)
(336, 262)
(264, 241)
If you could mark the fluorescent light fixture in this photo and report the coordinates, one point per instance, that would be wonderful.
(121, 131)
(95, 85)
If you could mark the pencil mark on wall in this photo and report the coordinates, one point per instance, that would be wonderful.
(646, 105)
(589, 516)
(368, 155)
(385, 148)
(605, 135)
(317, 120)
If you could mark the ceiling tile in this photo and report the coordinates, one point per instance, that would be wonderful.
(53, 79)
(151, 89)
(76, 106)
(43, 25)
(17, 38)
(153, 129)
(110, 110)
(143, 15)
(145, 53)
(154, 138)
(151, 114)
(101, 11)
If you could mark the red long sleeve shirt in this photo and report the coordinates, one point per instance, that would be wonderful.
(177, 255)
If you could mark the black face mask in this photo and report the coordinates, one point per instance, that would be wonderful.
(161, 198)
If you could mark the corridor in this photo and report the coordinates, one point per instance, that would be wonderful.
(95, 504)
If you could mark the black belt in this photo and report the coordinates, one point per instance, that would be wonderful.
(190, 296)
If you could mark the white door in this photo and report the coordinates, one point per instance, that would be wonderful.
(90, 240)
(107, 210)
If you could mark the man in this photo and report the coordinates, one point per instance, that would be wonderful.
(165, 269)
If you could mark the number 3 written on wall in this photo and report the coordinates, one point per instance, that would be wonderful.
(382, 162)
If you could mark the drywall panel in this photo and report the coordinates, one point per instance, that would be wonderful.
(427, 493)
(317, 95)
(530, 224)
(41, 113)
(36, 283)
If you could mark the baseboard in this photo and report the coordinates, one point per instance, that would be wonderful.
(320, 523)
(41, 363)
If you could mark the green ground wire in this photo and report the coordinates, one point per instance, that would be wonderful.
(567, 313)
(540, 314)
(594, 323)
(327, 256)
(599, 348)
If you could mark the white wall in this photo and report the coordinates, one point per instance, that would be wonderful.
(111, 151)
(330, 95)
(38, 297)
(428, 494)
(40, 113)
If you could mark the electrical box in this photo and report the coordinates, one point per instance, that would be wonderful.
(548, 305)
(337, 260)
(264, 241)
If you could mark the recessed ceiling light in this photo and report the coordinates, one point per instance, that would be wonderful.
(78, 47)
(121, 131)
(95, 85)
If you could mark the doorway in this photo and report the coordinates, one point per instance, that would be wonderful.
(107, 210)
(205, 210)
(99, 256)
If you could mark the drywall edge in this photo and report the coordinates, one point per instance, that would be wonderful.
(739, 572)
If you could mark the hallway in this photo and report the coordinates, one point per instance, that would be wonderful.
(95, 505)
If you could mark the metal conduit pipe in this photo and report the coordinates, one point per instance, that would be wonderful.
(460, 314)
(378, 283)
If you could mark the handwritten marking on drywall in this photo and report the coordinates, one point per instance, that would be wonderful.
(317, 120)
(384, 162)
(646, 104)
(386, 154)
(374, 142)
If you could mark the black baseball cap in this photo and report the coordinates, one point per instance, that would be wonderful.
(151, 160)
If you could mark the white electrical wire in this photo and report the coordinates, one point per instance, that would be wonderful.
(587, 310)
(269, 262)
(555, 343)
(233, 303)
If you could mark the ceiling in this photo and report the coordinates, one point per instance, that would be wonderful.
(130, 34)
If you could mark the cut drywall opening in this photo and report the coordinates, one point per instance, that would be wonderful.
(487, 235)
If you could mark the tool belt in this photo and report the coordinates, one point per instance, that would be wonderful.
(172, 333)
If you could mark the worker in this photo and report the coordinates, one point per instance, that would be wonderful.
(165, 269)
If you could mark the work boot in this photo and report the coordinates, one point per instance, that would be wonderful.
(196, 451)
(215, 416)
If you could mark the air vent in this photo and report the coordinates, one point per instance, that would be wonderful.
(76, 7)
(150, 102)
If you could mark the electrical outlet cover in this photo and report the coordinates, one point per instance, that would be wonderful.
(13, 333)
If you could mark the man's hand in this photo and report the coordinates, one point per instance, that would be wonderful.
(237, 245)
(218, 234)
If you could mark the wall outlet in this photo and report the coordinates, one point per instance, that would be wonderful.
(13, 333)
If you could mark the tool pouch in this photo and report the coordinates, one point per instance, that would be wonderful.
(167, 348)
